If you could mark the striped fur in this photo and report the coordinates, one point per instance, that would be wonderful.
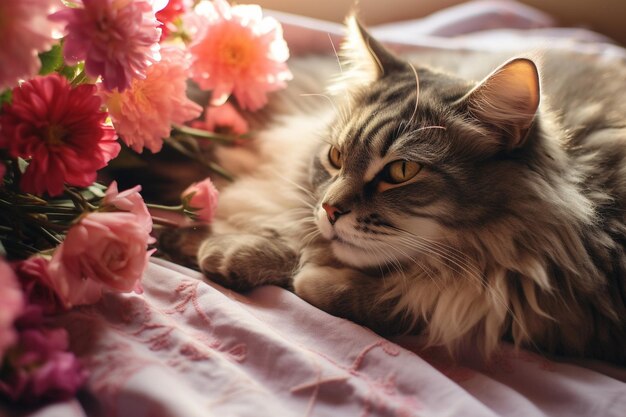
(513, 229)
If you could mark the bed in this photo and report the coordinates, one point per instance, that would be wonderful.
(187, 347)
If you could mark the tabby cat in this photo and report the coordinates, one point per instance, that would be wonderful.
(422, 202)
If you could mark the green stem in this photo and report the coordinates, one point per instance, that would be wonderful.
(164, 222)
(48, 209)
(218, 169)
(174, 209)
(51, 236)
(77, 198)
(18, 248)
(203, 134)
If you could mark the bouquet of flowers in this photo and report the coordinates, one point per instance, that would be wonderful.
(80, 79)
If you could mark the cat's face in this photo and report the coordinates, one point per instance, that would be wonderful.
(414, 156)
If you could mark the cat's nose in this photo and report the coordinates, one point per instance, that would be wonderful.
(333, 212)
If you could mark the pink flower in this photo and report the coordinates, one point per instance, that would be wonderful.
(238, 51)
(117, 39)
(40, 368)
(104, 251)
(224, 118)
(61, 130)
(201, 198)
(25, 23)
(38, 285)
(144, 113)
(11, 305)
(129, 200)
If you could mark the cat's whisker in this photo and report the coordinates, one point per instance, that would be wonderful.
(464, 266)
(306, 191)
(477, 278)
(424, 269)
(426, 250)
(338, 111)
(419, 129)
(332, 44)
(395, 262)
(417, 95)
(309, 237)
(399, 128)
(461, 265)
(449, 250)
(398, 265)
(374, 252)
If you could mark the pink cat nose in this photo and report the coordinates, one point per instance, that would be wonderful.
(333, 212)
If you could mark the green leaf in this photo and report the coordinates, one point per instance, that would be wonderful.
(70, 4)
(51, 60)
(72, 72)
(6, 96)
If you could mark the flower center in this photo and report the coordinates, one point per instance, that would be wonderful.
(237, 52)
(55, 135)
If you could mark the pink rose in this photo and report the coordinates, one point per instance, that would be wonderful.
(131, 201)
(11, 306)
(201, 198)
(104, 251)
(38, 285)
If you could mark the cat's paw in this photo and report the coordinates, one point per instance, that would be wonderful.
(350, 294)
(323, 286)
(244, 261)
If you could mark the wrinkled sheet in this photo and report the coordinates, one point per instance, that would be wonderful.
(189, 348)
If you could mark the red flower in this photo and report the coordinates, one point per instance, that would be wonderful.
(61, 130)
(168, 15)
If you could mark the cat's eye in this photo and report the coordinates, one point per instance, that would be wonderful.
(334, 156)
(401, 171)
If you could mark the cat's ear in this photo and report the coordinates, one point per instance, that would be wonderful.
(508, 99)
(363, 59)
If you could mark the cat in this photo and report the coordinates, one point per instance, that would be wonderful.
(417, 201)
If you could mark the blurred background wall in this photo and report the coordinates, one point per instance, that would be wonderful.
(604, 16)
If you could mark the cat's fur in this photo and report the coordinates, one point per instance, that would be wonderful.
(514, 228)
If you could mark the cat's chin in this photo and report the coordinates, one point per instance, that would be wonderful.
(356, 256)
(347, 250)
